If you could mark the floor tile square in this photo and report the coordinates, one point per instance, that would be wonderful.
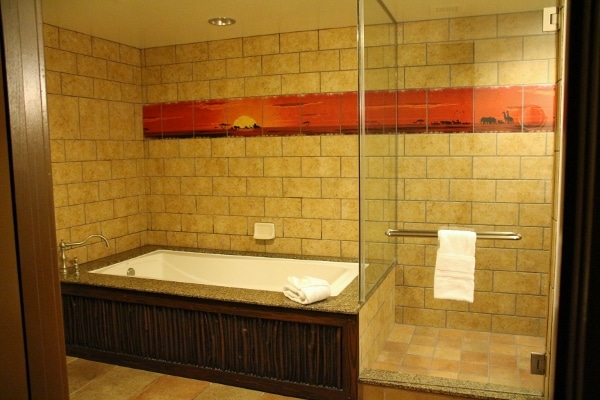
(425, 351)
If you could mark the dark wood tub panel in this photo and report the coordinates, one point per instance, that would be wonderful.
(293, 352)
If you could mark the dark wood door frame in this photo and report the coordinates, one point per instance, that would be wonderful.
(13, 381)
(578, 338)
(35, 266)
(36, 269)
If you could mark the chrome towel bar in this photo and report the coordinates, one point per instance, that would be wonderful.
(480, 235)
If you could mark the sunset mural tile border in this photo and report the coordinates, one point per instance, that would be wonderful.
(520, 108)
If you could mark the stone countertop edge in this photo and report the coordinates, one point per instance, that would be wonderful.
(445, 386)
(345, 303)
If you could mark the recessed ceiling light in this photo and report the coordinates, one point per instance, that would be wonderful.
(221, 21)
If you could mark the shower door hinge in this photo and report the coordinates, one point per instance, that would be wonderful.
(538, 364)
(550, 22)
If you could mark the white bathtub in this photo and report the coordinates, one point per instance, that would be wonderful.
(260, 273)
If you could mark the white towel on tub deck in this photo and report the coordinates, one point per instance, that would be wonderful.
(455, 266)
(306, 290)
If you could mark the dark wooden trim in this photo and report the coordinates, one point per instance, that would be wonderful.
(293, 352)
(578, 347)
(33, 199)
(13, 380)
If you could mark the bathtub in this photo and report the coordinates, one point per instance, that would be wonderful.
(256, 339)
(245, 272)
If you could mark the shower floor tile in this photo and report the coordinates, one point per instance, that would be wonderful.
(465, 355)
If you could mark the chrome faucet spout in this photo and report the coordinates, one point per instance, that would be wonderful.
(63, 247)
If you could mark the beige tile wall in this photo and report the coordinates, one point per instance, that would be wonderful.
(209, 192)
(94, 99)
(505, 186)
(322, 61)
(488, 181)
(204, 192)
(505, 49)
(376, 321)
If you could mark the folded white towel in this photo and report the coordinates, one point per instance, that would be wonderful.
(455, 266)
(306, 290)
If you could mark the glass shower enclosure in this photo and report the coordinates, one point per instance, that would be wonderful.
(458, 130)
(378, 84)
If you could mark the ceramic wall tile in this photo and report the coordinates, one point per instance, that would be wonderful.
(497, 107)
(450, 110)
(380, 113)
(245, 116)
(412, 111)
(210, 118)
(349, 113)
(539, 108)
(320, 113)
(178, 119)
(281, 115)
(152, 120)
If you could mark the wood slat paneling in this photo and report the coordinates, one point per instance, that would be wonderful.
(273, 351)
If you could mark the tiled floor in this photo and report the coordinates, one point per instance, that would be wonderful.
(464, 355)
(447, 353)
(91, 380)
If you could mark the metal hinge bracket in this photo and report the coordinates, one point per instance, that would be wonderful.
(538, 364)
(550, 22)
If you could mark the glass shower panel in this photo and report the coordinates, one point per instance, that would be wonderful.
(458, 132)
(378, 144)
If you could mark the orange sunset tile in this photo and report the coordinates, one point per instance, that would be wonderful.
(178, 119)
(539, 108)
(349, 113)
(496, 108)
(320, 113)
(210, 118)
(281, 115)
(152, 120)
(380, 111)
(412, 111)
(245, 116)
(450, 110)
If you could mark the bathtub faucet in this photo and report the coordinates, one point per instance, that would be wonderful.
(63, 247)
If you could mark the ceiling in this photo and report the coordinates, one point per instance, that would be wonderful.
(144, 23)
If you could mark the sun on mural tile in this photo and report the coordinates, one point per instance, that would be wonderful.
(539, 108)
(450, 110)
(380, 112)
(412, 111)
(245, 116)
(320, 113)
(210, 118)
(497, 109)
(281, 115)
